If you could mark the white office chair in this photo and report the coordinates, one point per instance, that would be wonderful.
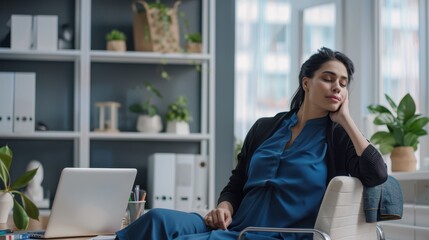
(340, 217)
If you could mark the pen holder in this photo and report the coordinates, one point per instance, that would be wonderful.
(135, 209)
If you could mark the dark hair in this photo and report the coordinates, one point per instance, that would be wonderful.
(313, 64)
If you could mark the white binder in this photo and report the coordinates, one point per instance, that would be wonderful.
(24, 102)
(200, 186)
(21, 31)
(185, 181)
(6, 101)
(45, 32)
(161, 180)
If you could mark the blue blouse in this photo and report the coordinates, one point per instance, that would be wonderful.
(286, 185)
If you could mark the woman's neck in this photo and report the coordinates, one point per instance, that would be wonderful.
(306, 113)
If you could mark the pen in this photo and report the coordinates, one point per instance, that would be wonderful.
(143, 195)
(137, 192)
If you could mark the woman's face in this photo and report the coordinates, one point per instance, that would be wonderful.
(327, 89)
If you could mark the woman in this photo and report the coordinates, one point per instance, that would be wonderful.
(285, 164)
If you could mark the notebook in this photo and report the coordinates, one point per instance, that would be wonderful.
(89, 202)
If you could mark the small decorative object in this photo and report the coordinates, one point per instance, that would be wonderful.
(404, 129)
(111, 124)
(34, 190)
(41, 126)
(156, 27)
(116, 41)
(65, 39)
(148, 121)
(178, 117)
(23, 210)
(194, 43)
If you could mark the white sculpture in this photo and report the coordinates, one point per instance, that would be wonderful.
(34, 189)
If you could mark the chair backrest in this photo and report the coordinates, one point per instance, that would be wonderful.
(341, 213)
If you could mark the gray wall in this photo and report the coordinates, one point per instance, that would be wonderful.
(225, 39)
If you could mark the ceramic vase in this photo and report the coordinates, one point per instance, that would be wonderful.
(149, 124)
(178, 127)
(6, 204)
(403, 159)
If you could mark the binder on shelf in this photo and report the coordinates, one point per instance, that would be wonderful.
(200, 185)
(185, 181)
(24, 102)
(161, 180)
(21, 32)
(6, 101)
(45, 32)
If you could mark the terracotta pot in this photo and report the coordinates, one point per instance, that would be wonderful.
(116, 45)
(6, 204)
(194, 47)
(403, 159)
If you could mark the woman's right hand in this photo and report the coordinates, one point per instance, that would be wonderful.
(220, 217)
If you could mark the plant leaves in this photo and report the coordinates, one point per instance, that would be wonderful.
(385, 148)
(31, 209)
(6, 156)
(378, 109)
(20, 217)
(398, 134)
(23, 180)
(406, 108)
(418, 124)
(410, 139)
(384, 118)
(391, 102)
(383, 137)
(4, 175)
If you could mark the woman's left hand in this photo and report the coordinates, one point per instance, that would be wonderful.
(343, 112)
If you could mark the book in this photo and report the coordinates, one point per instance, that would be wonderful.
(15, 235)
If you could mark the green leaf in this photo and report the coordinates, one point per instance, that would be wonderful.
(410, 139)
(398, 134)
(378, 109)
(418, 124)
(384, 118)
(383, 138)
(31, 209)
(385, 148)
(24, 179)
(20, 217)
(391, 102)
(406, 108)
(4, 174)
(6, 155)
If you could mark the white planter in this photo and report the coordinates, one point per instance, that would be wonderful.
(6, 204)
(148, 124)
(178, 127)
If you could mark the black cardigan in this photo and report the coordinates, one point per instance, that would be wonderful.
(341, 158)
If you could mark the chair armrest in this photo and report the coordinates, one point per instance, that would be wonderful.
(323, 235)
(380, 232)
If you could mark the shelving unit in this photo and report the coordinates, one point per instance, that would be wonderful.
(414, 224)
(91, 74)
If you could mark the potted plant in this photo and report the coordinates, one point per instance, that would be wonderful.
(404, 127)
(148, 120)
(178, 117)
(24, 209)
(116, 41)
(194, 42)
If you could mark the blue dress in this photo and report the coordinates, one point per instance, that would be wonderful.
(285, 188)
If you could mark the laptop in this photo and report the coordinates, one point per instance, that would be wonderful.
(89, 202)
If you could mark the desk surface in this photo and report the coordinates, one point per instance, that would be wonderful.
(41, 224)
